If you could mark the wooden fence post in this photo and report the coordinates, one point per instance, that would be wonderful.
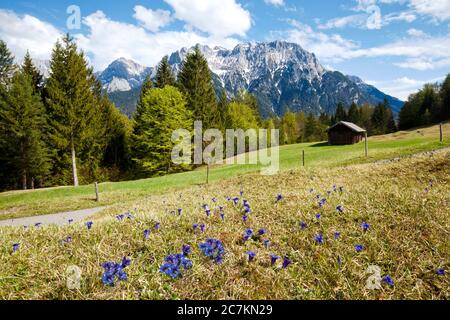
(366, 144)
(303, 157)
(97, 195)
(441, 139)
(207, 174)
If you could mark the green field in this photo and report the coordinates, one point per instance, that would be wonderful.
(28, 203)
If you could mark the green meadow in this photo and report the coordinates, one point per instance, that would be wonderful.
(317, 155)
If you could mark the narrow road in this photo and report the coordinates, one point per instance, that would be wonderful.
(56, 219)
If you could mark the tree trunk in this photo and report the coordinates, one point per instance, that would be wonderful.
(74, 166)
(24, 180)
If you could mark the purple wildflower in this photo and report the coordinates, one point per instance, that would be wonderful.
(120, 217)
(273, 259)
(303, 225)
(365, 226)
(318, 239)
(147, 233)
(359, 247)
(15, 247)
(202, 227)
(157, 226)
(286, 262)
(337, 235)
(89, 224)
(388, 280)
(279, 197)
(186, 250)
(251, 256)
(340, 208)
(440, 272)
(318, 216)
(266, 243)
(262, 231)
(213, 249)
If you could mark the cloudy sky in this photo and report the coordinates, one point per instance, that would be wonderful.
(397, 45)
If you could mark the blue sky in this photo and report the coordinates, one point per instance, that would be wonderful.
(397, 45)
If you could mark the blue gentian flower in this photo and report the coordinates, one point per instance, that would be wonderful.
(311, 190)
(147, 233)
(70, 221)
(286, 262)
(337, 235)
(318, 216)
(180, 211)
(266, 243)
(388, 280)
(222, 215)
(214, 200)
(208, 213)
(241, 193)
(186, 250)
(318, 239)
(68, 239)
(195, 226)
(303, 225)
(158, 226)
(173, 264)
(202, 227)
(262, 231)
(365, 226)
(273, 259)
(359, 247)
(440, 272)
(120, 217)
(244, 218)
(235, 201)
(213, 249)
(247, 209)
(340, 208)
(115, 271)
(37, 225)
(89, 224)
(15, 247)
(279, 197)
(129, 216)
(248, 234)
(251, 255)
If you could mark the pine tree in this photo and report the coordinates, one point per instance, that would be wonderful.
(222, 106)
(380, 119)
(445, 99)
(72, 107)
(354, 114)
(22, 121)
(164, 74)
(196, 83)
(162, 111)
(6, 64)
(37, 78)
(341, 114)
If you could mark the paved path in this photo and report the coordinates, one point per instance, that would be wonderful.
(57, 218)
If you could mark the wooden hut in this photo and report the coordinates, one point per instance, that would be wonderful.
(345, 133)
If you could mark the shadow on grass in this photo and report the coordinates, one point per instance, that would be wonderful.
(320, 144)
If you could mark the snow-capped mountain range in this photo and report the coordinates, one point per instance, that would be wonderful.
(282, 75)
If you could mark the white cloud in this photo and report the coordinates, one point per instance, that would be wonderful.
(439, 10)
(152, 20)
(402, 87)
(329, 48)
(277, 3)
(219, 18)
(416, 33)
(108, 40)
(25, 32)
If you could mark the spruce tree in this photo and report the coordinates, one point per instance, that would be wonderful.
(196, 83)
(164, 74)
(341, 114)
(72, 107)
(161, 113)
(354, 114)
(445, 99)
(22, 123)
(6, 64)
(37, 79)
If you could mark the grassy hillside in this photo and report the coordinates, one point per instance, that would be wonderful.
(405, 204)
(318, 155)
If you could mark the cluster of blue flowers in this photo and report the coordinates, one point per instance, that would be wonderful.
(15, 247)
(89, 224)
(174, 263)
(115, 272)
(213, 249)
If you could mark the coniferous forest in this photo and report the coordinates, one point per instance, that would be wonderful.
(63, 130)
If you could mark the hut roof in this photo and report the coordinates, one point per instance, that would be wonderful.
(349, 125)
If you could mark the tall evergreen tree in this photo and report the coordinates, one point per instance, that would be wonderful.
(22, 121)
(162, 111)
(196, 83)
(445, 99)
(341, 114)
(37, 78)
(354, 114)
(72, 107)
(6, 64)
(164, 74)
(225, 122)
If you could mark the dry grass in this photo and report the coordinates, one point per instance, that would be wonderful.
(408, 239)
